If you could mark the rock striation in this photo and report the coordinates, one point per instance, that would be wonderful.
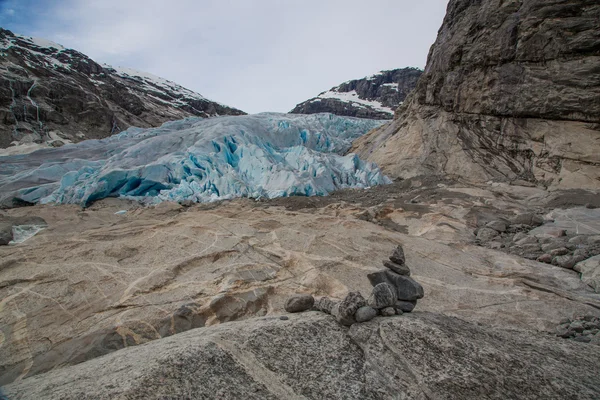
(374, 97)
(510, 92)
(51, 95)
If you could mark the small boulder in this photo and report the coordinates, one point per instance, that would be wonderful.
(547, 247)
(565, 261)
(397, 268)
(486, 234)
(583, 339)
(398, 256)
(6, 234)
(580, 239)
(407, 288)
(405, 306)
(527, 240)
(528, 219)
(497, 225)
(324, 304)
(545, 258)
(561, 251)
(518, 236)
(388, 312)
(299, 303)
(345, 310)
(593, 239)
(383, 295)
(365, 313)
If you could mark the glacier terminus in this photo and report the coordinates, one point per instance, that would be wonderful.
(258, 156)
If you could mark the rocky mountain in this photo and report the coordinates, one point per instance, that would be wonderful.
(511, 92)
(376, 96)
(53, 95)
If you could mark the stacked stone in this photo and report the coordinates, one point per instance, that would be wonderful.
(394, 291)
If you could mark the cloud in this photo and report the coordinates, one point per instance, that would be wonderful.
(263, 55)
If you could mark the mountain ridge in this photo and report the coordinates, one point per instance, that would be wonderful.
(375, 97)
(51, 95)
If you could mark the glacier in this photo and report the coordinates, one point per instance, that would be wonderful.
(263, 155)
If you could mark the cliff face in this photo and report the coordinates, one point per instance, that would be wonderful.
(53, 95)
(375, 96)
(511, 91)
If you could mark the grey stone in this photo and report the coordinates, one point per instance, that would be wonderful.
(497, 225)
(580, 239)
(6, 234)
(561, 251)
(405, 306)
(552, 245)
(545, 258)
(518, 236)
(590, 272)
(324, 304)
(593, 239)
(407, 288)
(577, 326)
(397, 268)
(528, 219)
(365, 313)
(486, 234)
(566, 261)
(299, 303)
(583, 339)
(494, 245)
(398, 256)
(527, 240)
(284, 318)
(345, 310)
(388, 312)
(383, 295)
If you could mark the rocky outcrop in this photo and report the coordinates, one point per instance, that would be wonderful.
(511, 92)
(310, 356)
(375, 96)
(50, 95)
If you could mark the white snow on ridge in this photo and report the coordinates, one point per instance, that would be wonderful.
(42, 43)
(352, 97)
(264, 155)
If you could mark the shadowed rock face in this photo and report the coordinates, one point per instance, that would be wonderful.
(310, 356)
(53, 95)
(375, 97)
(511, 91)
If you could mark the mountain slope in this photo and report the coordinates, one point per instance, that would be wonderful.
(511, 91)
(50, 94)
(376, 96)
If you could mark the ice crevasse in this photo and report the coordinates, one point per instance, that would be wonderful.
(262, 155)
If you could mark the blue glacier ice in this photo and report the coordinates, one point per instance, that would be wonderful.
(262, 155)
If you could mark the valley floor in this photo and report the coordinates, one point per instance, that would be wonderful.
(95, 282)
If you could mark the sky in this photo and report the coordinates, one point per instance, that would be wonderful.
(255, 55)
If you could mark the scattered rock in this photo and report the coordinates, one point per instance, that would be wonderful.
(590, 272)
(383, 295)
(398, 256)
(497, 225)
(561, 251)
(388, 312)
(486, 234)
(284, 318)
(545, 258)
(299, 303)
(494, 245)
(528, 219)
(397, 268)
(527, 240)
(564, 261)
(518, 236)
(6, 234)
(365, 313)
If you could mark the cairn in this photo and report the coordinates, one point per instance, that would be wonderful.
(394, 293)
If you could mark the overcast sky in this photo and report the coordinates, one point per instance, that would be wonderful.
(256, 55)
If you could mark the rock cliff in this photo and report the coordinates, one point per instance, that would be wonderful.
(375, 96)
(51, 95)
(511, 91)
